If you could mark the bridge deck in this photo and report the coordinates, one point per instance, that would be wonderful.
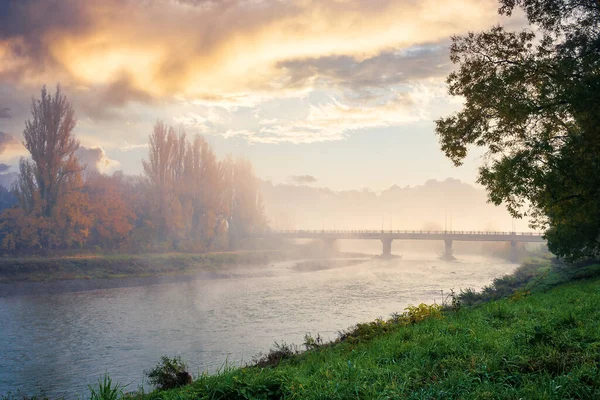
(467, 236)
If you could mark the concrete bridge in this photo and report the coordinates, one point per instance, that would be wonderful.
(388, 236)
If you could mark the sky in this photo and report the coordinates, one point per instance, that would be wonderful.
(334, 93)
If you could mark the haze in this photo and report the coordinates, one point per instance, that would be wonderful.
(350, 103)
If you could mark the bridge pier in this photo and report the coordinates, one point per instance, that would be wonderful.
(387, 247)
(329, 245)
(514, 255)
(448, 252)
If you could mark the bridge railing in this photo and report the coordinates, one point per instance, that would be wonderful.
(384, 231)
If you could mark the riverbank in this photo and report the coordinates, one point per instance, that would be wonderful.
(55, 275)
(112, 266)
(542, 342)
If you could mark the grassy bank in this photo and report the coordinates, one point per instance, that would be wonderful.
(542, 342)
(534, 334)
(124, 265)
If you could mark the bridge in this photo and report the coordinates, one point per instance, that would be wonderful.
(388, 236)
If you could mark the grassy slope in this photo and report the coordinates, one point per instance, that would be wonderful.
(543, 346)
(122, 265)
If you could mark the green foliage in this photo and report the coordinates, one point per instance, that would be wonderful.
(170, 373)
(106, 390)
(279, 352)
(311, 343)
(532, 276)
(531, 100)
(422, 312)
(365, 332)
(543, 346)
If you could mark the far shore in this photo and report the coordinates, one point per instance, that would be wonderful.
(43, 275)
(111, 266)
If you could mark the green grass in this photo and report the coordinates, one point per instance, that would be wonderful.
(540, 346)
(124, 265)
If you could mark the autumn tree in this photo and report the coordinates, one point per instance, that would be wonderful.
(531, 100)
(197, 201)
(243, 201)
(112, 216)
(53, 210)
(48, 136)
(161, 170)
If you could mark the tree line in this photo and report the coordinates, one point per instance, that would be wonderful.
(185, 200)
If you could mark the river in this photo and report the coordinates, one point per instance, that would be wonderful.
(61, 342)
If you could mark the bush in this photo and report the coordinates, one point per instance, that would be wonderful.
(311, 343)
(422, 312)
(279, 352)
(170, 373)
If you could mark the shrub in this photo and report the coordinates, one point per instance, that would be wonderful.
(279, 352)
(423, 311)
(170, 373)
(311, 343)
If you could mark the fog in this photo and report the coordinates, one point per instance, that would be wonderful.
(434, 205)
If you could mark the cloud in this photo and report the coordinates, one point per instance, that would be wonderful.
(103, 102)
(8, 179)
(128, 146)
(222, 61)
(96, 159)
(303, 179)
(8, 144)
(332, 119)
(230, 47)
(4, 168)
(5, 112)
(380, 71)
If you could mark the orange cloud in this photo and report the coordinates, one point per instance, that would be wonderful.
(204, 49)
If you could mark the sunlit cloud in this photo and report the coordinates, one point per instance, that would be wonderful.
(224, 62)
(10, 147)
(95, 159)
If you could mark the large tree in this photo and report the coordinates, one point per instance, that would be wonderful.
(196, 199)
(532, 101)
(48, 185)
(50, 141)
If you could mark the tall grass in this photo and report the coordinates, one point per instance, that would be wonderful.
(106, 389)
(544, 345)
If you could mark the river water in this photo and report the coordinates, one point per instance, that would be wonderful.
(62, 342)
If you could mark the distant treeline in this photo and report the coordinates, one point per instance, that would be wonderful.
(186, 200)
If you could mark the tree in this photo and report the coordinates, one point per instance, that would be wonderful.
(112, 216)
(531, 100)
(50, 141)
(48, 187)
(162, 171)
(198, 200)
(243, 201)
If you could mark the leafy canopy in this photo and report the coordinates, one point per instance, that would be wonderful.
(532, 101)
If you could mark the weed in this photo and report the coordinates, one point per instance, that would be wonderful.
(170, 373)
(423, 311)
(279, 352)
(311, 343)
(106, 390)
(452, 301)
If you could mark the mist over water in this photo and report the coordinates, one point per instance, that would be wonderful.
(63, 342)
